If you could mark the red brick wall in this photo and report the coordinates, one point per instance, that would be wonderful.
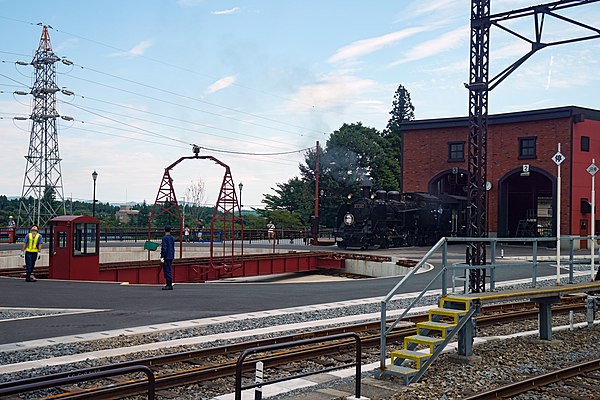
(426, 155)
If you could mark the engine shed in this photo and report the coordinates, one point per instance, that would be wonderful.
(521, 174)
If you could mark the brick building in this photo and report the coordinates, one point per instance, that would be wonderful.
(521, 175)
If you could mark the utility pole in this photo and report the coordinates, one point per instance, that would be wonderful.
(315, 219)
(43, 180)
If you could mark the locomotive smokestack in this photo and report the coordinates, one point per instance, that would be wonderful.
(365, 187)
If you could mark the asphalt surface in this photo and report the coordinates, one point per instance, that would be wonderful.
(137, 305)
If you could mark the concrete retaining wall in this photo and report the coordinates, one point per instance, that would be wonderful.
(375, 269)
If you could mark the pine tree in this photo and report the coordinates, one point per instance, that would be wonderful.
(402, 110)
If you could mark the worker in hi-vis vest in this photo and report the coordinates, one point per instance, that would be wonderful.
(32, 244)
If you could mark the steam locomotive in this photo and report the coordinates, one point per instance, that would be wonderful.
(394, 219)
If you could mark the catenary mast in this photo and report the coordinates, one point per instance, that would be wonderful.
(42, 197)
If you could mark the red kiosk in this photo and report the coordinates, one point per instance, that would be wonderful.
(74, 248)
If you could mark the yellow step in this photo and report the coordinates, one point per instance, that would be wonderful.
(423, 340)
(447, 312)
(415, 356)
(435, 326)
(449, 299)
(399, 370)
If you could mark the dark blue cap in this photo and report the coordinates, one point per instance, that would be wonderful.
(168, 228)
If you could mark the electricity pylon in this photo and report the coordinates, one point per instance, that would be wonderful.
(42, 197)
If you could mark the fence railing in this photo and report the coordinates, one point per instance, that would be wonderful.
(50, 381)
(331, 338)
(118, 234)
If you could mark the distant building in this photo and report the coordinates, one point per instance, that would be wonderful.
(125, 214)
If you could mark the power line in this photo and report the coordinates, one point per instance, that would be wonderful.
(172, 118)
(184, 106)
(190, 144)
(162, 115)
(179, 67)
(196, 99)
(173, 145)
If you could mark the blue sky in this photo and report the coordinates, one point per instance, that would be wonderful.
(263, 76)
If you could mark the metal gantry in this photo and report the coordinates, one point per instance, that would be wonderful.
(480, 84)
(42, 197)
(224, 212)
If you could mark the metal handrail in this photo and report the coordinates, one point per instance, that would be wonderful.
(278, 346)
(391, 293)
(27, 385)
(443, 245)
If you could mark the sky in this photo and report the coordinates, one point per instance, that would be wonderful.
(256, 83)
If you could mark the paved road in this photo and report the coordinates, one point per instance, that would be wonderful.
(136, 305)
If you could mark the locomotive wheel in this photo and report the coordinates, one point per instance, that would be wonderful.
(342, 245)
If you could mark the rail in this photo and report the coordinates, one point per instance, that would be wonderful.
(45, 382)
(278, 346)
(441, 277)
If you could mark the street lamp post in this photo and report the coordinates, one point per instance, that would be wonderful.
(94, 177)
(241, 186)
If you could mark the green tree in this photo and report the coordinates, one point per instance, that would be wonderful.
(355, 153)
(402, 110)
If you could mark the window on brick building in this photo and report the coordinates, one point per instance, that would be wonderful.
(527, 147)
(585, 143)
(456, 151)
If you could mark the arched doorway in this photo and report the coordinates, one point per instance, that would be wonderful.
(453, 182)
(526, 203)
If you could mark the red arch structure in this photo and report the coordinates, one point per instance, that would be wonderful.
(227, 203)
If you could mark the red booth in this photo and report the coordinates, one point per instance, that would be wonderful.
(74, 248)
(7, 235)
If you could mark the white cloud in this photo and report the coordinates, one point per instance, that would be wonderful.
(433, 12)
(428, 7)
(189, 3)
(332, 91)
(233, 10)
(514, 51)
(366, 46)
(444, 43)
(221, 84)
(136, 51)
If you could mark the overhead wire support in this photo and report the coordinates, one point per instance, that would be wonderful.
(479, 86)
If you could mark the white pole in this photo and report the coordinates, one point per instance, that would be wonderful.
(593, 220)
(258, 380)
(558, 224)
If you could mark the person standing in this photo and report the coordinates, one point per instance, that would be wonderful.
(271, 230)
(199, 227)
(32, 245)
(167, 254)
(186, 234)
(11, 222)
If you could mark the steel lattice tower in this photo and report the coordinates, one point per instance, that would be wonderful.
(478, 125)
(42, 197)
(480, 84)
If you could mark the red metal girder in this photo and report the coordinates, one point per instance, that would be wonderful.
(204, 269)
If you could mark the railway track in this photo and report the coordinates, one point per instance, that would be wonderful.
(580, 381)
(210, 364)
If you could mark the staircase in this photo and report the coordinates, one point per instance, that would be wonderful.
(421, 350)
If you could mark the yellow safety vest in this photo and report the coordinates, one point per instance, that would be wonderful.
(32, 243)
